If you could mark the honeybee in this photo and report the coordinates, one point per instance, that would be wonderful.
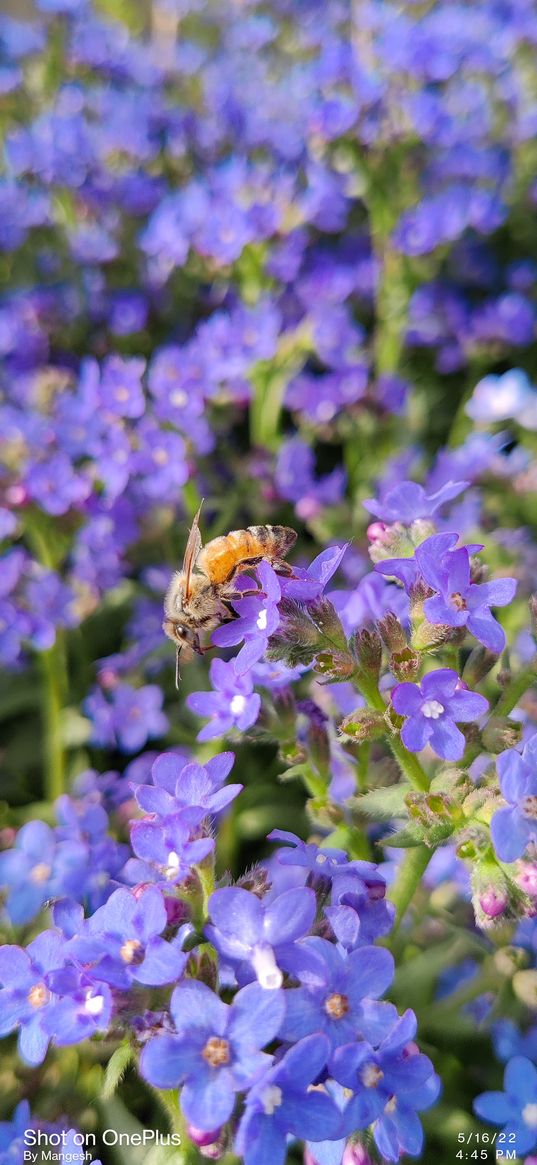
(200, 595)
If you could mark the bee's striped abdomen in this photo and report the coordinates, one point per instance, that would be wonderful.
(221, 558)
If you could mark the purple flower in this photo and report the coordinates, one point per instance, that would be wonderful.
(216, 1051)
(12, 1139)
(309, 584)
(120, 943)
(296, 480)
(391, 1083)
(459, 602)
(333, 987)
(319, 861)
(408, 501)
(282, 1103)
(257, 937)
(79, 1007)
(55, 486)
(433, 708)
(128, 719)
(121, 388)
(513, 828)
(25, 993)
(233, 704)
(26, 870)
(516, 1108)
(166, 850)
(258, 618)
(358, 911)
(194, 791)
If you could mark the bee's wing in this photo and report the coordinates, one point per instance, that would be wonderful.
(193, 548)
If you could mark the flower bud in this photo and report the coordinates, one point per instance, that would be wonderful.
(367, 649)
(501, 733)
(477, 666)
(389, 541)
(337, 665)
(364, 724)
(392, 632)
(525, 987)
(405, 664)
(490, 893)
(526, 878)
(199, 1138)
(256, 880)
(508, 960)
(323, 614)
(427, 634)
(493, 902)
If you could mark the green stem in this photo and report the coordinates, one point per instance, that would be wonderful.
(516, 688)
(477, 986)
(407, 881)
(407, 761)
(53, 682)
(169, 1101)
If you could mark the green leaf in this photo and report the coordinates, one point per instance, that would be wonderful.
(115, 1069)
(383, 804)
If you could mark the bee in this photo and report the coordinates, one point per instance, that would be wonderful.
(200, 595)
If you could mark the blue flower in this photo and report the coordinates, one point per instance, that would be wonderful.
(26, 870)
(498, 398)
(333, 987)
(282, 1103)
(459, 602)
(233, 703)
(258, 619)
(26, 995)
(166, 850)
(120, 943)
(12, 1135)
(516, 1108)
(257, 937)
(216, 1051)
(513, 828)
(358, 911)
(432, 709)
(194, 791)
(391, 1083)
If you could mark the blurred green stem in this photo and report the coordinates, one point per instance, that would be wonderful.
(516, 688)
(52, 668)
(169, 1101)
(407, 880)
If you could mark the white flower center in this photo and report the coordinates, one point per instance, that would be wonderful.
(238, 705)
(40, 873)
(173, 865)
(266, 968)
(432, 709)
(262, 620)
(529, 1115)
(94, 1004)
(271, 1099)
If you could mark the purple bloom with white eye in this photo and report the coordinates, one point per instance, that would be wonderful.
(192, 790)
(216, 1051)
(358, 912)
(233, 703)
(459, 602)
(282, 1103)
(121, 389)
(257, 937)
(160, 461)
(433, 709)
(165, 850)
(320, 861)
(513, 828)
(26, 871)
(408, 501)
(120, 943)
(25, 994)
(12, 1139)
(128, 719)
(258, 618)
(79, 1007)
(391, 1084)
(333, 987)
(498, 398)
(515, 1108)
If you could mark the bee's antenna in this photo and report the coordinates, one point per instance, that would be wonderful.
(177, 672)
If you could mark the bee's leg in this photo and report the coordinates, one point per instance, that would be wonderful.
(234, 596)
(282, 567)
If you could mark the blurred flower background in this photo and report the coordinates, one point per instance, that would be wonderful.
(279, 255)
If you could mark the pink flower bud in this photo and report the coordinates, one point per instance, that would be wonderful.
(493, 902)
(199, 1138)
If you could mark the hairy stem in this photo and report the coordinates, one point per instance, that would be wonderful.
(407, 881)
(516, 688)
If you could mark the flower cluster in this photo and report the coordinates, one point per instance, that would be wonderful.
(277, 258)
